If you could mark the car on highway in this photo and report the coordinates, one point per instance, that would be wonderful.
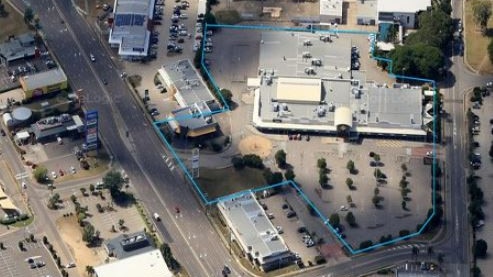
(91, 56)
(156, 217)
(104, 82)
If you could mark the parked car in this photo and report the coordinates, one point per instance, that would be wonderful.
(91, 56)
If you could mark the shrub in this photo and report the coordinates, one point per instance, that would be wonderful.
(320, 260)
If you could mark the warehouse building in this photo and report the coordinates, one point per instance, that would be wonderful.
(254, 232)
(148, 264)
(43, 83)
(130, 28)
(309, 85)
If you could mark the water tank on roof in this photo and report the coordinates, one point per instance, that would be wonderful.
(21, 114)
(7, 119)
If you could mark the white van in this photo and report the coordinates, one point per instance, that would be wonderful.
(156, 217)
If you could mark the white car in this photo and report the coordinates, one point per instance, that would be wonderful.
(72, 170)
(53, 175)
(70, 265)
(183, 16)
(93, 59)
(196, 47)
(208, 50)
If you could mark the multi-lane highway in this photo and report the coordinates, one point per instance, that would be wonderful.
(190, 234)
(193, 240)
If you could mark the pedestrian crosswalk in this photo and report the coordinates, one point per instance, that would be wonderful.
(407, 246)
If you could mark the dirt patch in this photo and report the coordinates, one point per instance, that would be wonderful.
(476, 43)
(12, 24)
(255, 145)
(72, 236)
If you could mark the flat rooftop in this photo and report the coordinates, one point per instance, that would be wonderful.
(130, 27)
(252, 228)
(148, 264)
(371, 105)
(413, 6)
(331, 7)
(190, 88)
(290, 53)
(43, 79)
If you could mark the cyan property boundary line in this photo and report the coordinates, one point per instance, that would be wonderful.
(226, 108)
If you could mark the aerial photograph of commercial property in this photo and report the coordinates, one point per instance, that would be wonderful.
(237, 138)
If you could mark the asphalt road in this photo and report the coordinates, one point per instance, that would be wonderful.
(193, 240)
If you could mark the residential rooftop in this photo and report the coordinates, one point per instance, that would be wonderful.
(19, 47)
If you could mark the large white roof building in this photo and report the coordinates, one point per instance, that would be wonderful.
(148, 264)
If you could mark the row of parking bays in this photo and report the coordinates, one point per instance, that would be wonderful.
(295, 233)
(178, 32)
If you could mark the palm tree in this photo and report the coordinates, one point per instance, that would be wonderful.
(90, 270)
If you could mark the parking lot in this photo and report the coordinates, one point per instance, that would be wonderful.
(162, 31)
(484, 139)
(13, 262)
(106, 218)
(303, 233)
(372, 222)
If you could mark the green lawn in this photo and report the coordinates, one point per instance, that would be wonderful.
(220, 182)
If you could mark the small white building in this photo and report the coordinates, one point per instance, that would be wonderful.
(148, 264)
(403, 12)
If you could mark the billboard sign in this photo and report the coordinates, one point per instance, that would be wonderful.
(91, 130)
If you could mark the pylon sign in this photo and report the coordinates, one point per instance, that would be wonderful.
(92, 130)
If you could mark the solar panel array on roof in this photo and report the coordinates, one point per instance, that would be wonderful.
(138, 20)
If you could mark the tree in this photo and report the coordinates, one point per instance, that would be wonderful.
(404, 205)
(376, 200)
(45, 240)
(376, 191)
(435, 29)
(323, 179)
(2, 247)
(238, 163)
(88, 233)
(227, 96)
(83, 191)
(28, 15)
(350, 166)
(210, 19)
(289, 175)
(481, 10)
(365, 244)
(404, 167)
(350, 219)
(40, 173)
(272, 178)
(280, 157)
(21, 245)
(121, 222)
(476, 271)
(92, 188)
(349, 183)
(3, 12)
(114, 181)
(90, 270)
(376, 157)
(417, 59)
(480, 248)
(36, 24)
(349, 199)
(334, 219)
(490, 54)
(321, 163)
